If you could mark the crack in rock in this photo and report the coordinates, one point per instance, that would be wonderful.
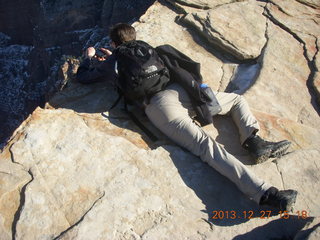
(193, 5)
(80, 220)
(12, 156)
(311, 63)
(220, 37)
(21, 206)
(282, 181)
(307, 4)
(280, 8)
(208, 222)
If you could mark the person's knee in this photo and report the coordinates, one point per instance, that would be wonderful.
(239, 100)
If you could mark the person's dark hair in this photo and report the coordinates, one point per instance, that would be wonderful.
(121, 33)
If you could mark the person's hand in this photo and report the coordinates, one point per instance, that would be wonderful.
(106, 54)
(106, 51)
(90, 52)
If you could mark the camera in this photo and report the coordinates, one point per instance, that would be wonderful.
(100, 54)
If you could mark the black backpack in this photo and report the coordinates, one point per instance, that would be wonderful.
(141, 72)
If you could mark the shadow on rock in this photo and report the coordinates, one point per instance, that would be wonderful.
(98, 98)
(278, 229)
(224, 203)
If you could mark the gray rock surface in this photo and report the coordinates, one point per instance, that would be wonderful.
(74, 170)
(223, 25)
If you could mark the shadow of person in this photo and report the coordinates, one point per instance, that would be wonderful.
(278, 229)
(96, 99)
(228, 136)
(218, 194)
(224, 203)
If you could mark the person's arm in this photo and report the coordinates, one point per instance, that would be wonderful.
(102, 71)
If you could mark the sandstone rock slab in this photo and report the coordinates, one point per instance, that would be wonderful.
(78, 171)
(278, 80)
(238, 28)
(299, 170)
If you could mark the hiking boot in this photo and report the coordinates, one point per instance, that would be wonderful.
(282, 200)
(261, 150)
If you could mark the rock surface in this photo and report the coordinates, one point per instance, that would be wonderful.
(74, 170)
(223, 25)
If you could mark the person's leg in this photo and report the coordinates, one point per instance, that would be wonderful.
(248, 126)
(169, 111)
(237, 107)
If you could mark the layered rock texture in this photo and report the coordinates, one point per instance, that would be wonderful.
(35, 36)
(75, 170)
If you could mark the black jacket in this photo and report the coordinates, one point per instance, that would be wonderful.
(91, 71)
(186, 72)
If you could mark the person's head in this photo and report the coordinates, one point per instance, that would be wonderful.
(121, 33)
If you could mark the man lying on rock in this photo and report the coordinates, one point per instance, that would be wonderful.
(137, 70)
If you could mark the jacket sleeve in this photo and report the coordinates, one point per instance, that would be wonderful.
(90, 72)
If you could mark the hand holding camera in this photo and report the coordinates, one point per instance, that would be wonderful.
(100, 54)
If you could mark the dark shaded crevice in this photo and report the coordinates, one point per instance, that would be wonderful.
(311, 63)
(200, 37)
(80, 220)
(212, 47)
(280, 8)
(189, 4)
(221, 36)
(12, 156)
(20, 208)
(171, 4)
(211, 225)
(307, 4)
(316, 70)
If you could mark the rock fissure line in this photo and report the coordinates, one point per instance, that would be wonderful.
(307, 4)
(282, 181)
(210, 224)
(220, 38)
(266, 31)
(80, 220)
(20, 208)
(280, 8)
(12, 157)
(311, 63)
(174, 7)
(192, 5)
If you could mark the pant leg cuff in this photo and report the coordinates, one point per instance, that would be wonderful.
(257, 197)
(250, 130)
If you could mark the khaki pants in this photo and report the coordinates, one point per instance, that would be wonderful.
(170, 112)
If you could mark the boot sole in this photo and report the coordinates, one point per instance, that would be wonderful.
(280, 151)
(264, 157)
